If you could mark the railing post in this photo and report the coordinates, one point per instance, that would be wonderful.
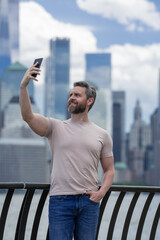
(5, 211)
(21, 226)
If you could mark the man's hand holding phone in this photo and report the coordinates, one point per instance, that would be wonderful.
(37, 63)
(32, 72)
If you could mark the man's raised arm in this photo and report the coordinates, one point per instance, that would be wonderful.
(37, 122)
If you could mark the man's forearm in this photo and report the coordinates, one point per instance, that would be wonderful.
(107, 181)
(25, 104)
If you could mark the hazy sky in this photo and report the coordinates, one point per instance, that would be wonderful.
(129, 30)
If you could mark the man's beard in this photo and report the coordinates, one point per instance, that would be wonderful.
(77, 108)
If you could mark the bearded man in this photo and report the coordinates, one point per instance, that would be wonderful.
(77, 145)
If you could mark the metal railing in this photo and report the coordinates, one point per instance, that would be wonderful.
(120, 202)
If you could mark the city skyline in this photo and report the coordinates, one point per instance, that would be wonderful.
(128, 69)
(131, 36)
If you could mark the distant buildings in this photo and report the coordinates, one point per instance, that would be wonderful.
(153, 165)
(9, 32)
(57, 79)
(23, 154)
(98, 73)
(10, 86)
(23, 160)
(118, 126)
(139, 139)
(14, 126)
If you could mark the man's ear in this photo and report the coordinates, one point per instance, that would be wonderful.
(90, 101)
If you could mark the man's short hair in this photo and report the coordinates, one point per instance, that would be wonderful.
(90, 90)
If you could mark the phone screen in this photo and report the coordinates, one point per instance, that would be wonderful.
(39, 60)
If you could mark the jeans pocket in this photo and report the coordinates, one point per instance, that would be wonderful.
(91, 200)
(57, 198)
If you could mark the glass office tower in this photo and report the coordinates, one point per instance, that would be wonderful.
(57, 79)
(98, 73)
(119, 126)
(4, 36)
(10, 82)
(9, 32)
(13, 16)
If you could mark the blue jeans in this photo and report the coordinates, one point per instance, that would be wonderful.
(72, 215)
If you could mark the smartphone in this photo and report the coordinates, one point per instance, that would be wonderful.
(39, 60)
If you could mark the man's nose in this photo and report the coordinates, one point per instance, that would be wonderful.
(72, 97)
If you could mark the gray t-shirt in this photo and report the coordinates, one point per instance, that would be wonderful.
(76, 148)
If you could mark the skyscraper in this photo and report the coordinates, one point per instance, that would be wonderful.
(5, 57)
(13, 8)
(155, 124)
(159, 107)
(139, 139)
(119, 126)
(57, 79)
(10, 82)
(98, 73)
(9, 32)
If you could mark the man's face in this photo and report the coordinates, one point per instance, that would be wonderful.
(77, 101)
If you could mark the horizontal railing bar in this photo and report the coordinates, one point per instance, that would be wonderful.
(25, 186)
(46, 186)
(151, 189)
(42, 186)
(11, 185)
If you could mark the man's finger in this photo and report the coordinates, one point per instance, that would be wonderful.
(88, 192)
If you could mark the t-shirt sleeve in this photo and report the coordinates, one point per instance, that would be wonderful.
(107, 149)
(51, 126)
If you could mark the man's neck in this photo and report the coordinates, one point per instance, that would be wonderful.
(80, 117)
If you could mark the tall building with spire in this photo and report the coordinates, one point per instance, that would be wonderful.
(9, 32)
(139, 139)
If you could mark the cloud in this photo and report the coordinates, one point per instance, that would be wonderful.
(134, 14)
(37, 27)
(134, 68)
